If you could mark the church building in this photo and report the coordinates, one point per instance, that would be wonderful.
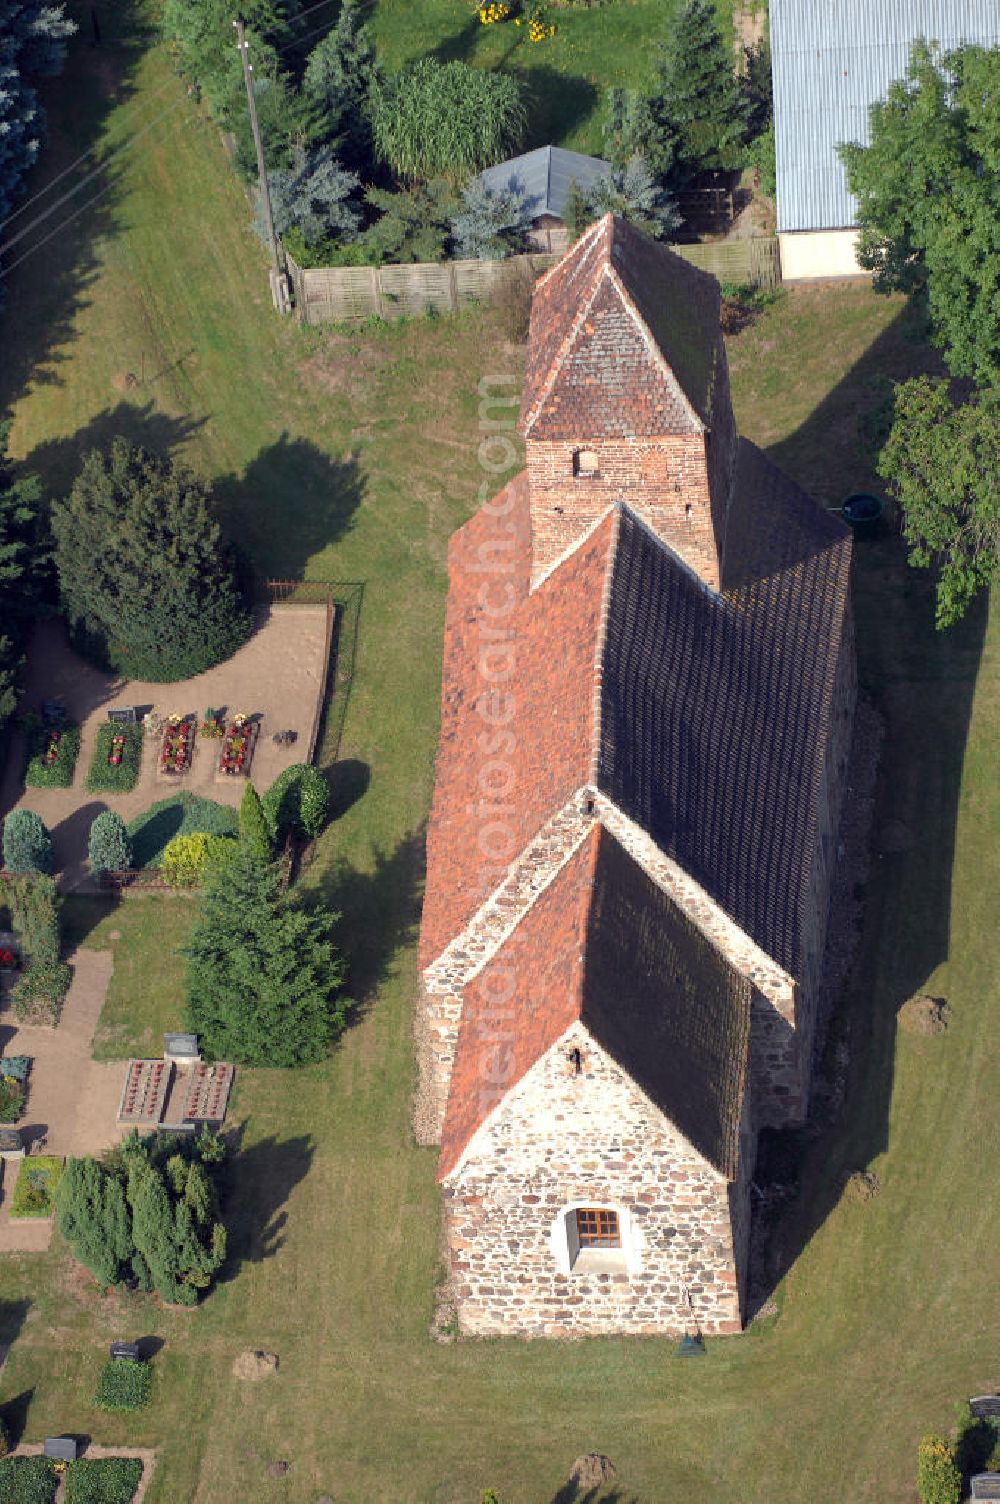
(648, 692)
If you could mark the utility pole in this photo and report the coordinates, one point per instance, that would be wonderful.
(279, 282)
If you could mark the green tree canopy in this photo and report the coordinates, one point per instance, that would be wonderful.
(24, 555)
(255, 836)
(109, 846)
(263, 980)
(928, 189)
(27, 845)
(145, 580)
(446, 119)
(33, 37)
(337, 84)
(941, 460)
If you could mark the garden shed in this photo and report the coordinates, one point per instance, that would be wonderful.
(544, 177)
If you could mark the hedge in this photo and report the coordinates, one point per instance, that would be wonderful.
(38, 993)
(58, 774)
(186, 859)
(35, 1189)
(298, 800)
(103, 776)
(123, 1385)
(102, 1480)
(27, 1480)
(180, 815)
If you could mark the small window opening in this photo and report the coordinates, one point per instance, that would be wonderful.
(687, 511)
(585, 462)
(597, 1227)
(576, 1061)
(588, 806)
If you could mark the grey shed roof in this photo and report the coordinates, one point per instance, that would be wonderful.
(544, 176)
(832, 59)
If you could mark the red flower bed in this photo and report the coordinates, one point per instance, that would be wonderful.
(117, 749)
(8, 958)
(237, 747)
(175, 749)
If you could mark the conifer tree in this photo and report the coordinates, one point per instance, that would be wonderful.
(109, 846)
(255, 836)
(263, 980)
(93, 1219)
(145, 579)
(337, 83)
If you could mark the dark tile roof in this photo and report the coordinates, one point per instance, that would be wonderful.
(624, 339)
(604, 944)
(544, 177)
(714, 709)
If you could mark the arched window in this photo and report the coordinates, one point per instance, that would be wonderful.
(585, 463)
(590, 1238)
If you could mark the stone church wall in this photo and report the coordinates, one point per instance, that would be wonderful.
(564, 1138)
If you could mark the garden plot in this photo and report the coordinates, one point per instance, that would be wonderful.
(273, 685)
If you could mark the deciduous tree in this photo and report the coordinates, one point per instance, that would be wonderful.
(928, 190)
(941, 459)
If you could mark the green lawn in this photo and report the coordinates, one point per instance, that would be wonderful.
(352, 457)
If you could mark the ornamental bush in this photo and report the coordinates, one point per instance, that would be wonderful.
(255, 836)
(124, 1385)
(938, 1478)
(109, 847)
(184, 860)
(11, 1099)
(103, 1480)
(38, 994)
(34, 906)
(124, 743)
(446, 118)
(27, 845)
(297, 801)
(52, 754)
(35, 1187)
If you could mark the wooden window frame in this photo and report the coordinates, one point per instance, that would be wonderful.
(598, 1227)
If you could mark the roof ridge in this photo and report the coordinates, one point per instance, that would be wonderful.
(575, 546)
(601, 645)
(590, 233)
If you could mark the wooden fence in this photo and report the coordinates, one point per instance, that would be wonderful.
(335, 294)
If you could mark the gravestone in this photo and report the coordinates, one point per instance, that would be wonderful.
(985, 1486)
(124, 715)
(11, 1146)
(985, 1406)
(128, 1350)
(182, 1048)
(61, 1448)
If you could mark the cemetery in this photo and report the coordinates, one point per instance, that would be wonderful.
(179, 1092)
(130, 742)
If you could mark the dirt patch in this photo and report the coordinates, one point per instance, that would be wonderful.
(592, 1471)
(863, 1185)
(278, 1469)
(255, 1364)
(342, 364)
(924, 1015)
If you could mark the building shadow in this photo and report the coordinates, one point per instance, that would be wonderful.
(291, 502)
(255, 1188)
(922, 682)
(48, 242)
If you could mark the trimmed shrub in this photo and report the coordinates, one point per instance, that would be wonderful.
(184, 860)
(11, 1099)
(108, 845)
(115, 778)
(255, 837)
(938, 1478)
(298, 800)
(180, 815)
(103, 1480)
(123, 1385)
(38, 994)
(27, 845)
(27, 1480)
(35, 1188)
(52, 754)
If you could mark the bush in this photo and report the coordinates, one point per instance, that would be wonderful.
(938, 1478)
(103, 1480)
(38, 994)
(446, 118)
(123, 1385)
(180, 815)
(11, 1099)
(108, 845)
(35, 1188)
(297, 801)
(34, 905)
(255, 833)
(27, 1480)
(188, 859)
(107, 777)
(27, 845)
(52, 754)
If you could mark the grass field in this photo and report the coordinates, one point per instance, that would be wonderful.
(352, 457)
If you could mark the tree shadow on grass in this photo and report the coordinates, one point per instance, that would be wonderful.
(58, 460)
(255, 1189)
(49, 240)
(14, 1414)
(922, 683)
(379, 910)
(290, 503)
(558, 103)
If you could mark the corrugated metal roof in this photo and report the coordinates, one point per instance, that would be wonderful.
(544, 176)
(832, 59)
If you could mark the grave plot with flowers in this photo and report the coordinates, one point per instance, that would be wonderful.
(117, 759)
(237, 747)
(52, 752)
(176, 746)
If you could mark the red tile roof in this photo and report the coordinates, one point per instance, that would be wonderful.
(605, 945)
(497, 784)
(624, 340)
